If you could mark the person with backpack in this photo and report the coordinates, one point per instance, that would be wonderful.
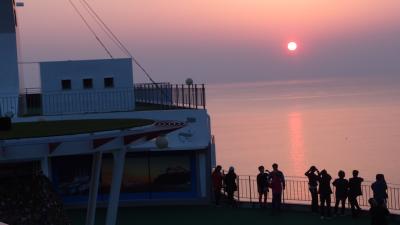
(341, 187)
(262, 186)
(325, 192)
(354, 192)
(312, 175)
(277, 184)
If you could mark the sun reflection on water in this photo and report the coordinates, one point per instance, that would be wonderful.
(295, 120)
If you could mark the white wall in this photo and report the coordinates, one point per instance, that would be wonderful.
(53, 72)
(9, 83)
(79, 100)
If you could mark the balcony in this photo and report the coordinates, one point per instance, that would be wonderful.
(142, 97)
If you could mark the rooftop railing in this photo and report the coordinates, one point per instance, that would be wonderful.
(158, 96)
(297, 192)
(170, 95)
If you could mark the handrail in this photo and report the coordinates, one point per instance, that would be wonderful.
(297, 192)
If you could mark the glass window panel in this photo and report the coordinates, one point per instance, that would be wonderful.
(170, 173)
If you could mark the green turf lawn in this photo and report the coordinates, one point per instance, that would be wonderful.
(210, 215)
(65, 127)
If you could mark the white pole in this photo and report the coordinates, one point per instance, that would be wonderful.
(94, 188)
(118, 171)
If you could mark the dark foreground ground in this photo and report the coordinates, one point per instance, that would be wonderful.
(210, 215)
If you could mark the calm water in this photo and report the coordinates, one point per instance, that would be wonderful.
(333, 124)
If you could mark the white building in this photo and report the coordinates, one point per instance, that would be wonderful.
(105, 167)
(10, 80)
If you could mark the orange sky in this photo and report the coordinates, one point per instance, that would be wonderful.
(177, 29)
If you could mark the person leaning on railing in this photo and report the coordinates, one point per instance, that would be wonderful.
(354, 192)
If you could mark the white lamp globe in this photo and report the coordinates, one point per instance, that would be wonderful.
(189, 81)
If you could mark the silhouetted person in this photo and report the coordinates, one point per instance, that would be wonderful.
(378, 212)
(325, 192)
(312, 175)
(341, 185)
(262, 186)
(379, 187)
(277, 182)
(354, 192)
(217, 178)
(231, 187)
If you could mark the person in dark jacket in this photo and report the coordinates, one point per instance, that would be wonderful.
(354, 192)
(277, 183)
(217, 178)
(325, 192)
(312, 174)
(379, 187)
(378, 212)
(341, 187)
(262, 186)
(230, 185)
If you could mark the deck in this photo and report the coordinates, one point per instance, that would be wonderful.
(211, 215)
(68, 127)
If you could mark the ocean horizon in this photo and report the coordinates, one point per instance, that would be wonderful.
(334, 124)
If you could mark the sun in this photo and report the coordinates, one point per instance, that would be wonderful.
(292, 46)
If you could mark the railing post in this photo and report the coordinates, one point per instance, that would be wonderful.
(190, 96)
(204, 96)
(238, 188)
(251, 200)
(183, 95)
(177, 95)
(195, 91)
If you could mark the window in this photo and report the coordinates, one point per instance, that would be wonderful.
(108, 82)
(66, 84)
(87, 83)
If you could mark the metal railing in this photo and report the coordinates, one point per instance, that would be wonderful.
(170, 95)
(297, 192)
(163, 95)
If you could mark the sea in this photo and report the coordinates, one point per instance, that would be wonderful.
(333, 124)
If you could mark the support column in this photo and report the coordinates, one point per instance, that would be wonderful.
(44, 165)
(118, 172)
(94, 188)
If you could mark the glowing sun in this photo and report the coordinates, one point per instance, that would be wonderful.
(292, 46)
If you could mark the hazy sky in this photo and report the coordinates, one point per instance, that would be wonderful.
(216, 41)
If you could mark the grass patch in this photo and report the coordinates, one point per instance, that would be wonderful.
(67, 127)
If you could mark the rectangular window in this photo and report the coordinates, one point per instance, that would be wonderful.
(66, 84)
(108, 82)
(87, 83)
